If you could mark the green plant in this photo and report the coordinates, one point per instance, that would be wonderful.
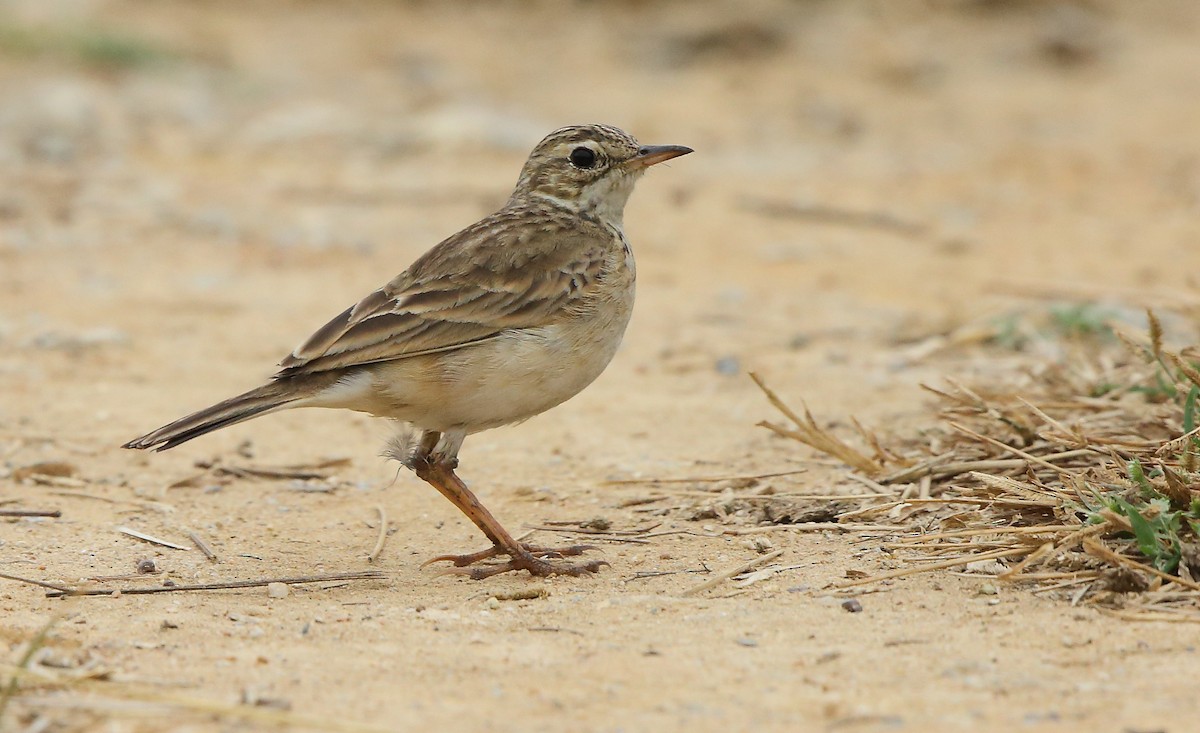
(91, 46)
(1081, 320)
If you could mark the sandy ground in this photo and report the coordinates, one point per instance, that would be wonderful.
(176, 213)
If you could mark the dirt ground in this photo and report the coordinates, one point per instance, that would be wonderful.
(188, 189)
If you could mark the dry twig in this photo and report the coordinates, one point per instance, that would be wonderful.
(724, 575)
(150, 538)
(52, 513)
(808, 432)
(353, 575)
(373, 555)
(202, 546)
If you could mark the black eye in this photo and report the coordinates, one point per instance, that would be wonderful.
(582, 157)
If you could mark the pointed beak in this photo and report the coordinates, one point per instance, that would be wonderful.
(649, 155)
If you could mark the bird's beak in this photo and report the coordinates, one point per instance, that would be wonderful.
(649, 155)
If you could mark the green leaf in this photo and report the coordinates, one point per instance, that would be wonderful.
(1138, 476)
(1189, 410)
(1147, 541)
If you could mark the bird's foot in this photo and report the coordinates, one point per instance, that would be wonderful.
(537, 561)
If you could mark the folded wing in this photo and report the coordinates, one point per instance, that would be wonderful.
(468, 289)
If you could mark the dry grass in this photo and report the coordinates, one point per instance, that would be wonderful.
(1080, 478)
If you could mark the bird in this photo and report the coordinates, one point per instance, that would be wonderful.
(511, 316)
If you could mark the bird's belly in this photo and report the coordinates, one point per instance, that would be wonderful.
(504, 380)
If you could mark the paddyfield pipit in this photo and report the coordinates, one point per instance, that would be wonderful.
(511, 316)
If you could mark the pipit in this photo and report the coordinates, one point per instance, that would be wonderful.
(511, 316)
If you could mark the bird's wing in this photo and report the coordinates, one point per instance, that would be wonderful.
(506, 272)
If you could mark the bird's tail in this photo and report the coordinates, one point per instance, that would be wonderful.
(264, 399)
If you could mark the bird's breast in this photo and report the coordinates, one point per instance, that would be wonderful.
(518, 373)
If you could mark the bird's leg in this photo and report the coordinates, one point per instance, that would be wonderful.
(521, 556)
(438, 472)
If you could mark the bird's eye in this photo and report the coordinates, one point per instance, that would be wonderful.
(582, 157)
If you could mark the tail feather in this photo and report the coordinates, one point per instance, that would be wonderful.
(264, 399)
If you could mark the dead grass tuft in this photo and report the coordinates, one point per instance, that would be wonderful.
(1080, 478)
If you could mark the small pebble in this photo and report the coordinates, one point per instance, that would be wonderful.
(761, 545)
(277, 590)
(146, 566)
(728, 366)
(852, 605)
(493, 603)
(746, 641)
(987, 589)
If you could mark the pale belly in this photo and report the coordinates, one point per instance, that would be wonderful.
(503, 380)
(497, 382)
(517, 376)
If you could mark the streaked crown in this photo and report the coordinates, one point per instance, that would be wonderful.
(589, 168)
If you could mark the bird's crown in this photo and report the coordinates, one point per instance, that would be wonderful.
(589, 168)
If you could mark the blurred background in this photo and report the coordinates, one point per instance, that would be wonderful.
(183, 179)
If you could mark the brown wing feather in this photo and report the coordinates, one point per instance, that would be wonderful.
(470, 287)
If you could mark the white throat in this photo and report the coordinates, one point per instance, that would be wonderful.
(606, 198)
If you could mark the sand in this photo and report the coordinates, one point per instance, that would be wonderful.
(179, 210)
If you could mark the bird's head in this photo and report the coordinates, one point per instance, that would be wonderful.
(589, 168)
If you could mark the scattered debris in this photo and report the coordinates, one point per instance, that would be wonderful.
(60, 591)
(40, 583)
(1087, 465)
(724, 575)
(808, 432)
(150, 538)
(202, 546)
(599, 529)
(141, 503)
(51, 513)
(49, 473)
(373, 555)
(526, 594)
(706, 479)
(58, 469)
(252, 697)
(312, 477)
